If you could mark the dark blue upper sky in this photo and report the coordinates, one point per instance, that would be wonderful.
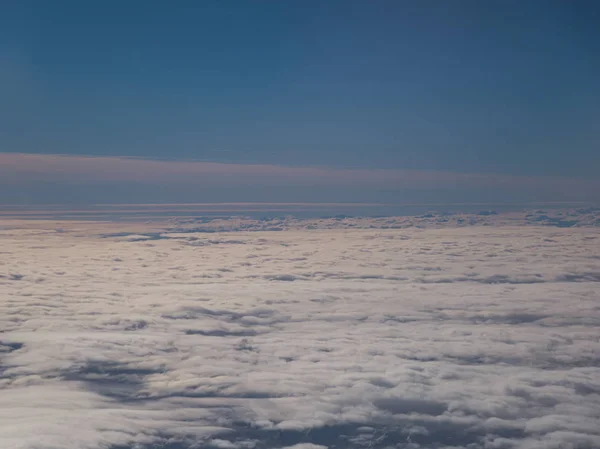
(470, 86)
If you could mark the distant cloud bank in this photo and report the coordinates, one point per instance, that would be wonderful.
(18, 169)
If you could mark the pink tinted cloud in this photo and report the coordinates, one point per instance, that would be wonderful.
(24, 167)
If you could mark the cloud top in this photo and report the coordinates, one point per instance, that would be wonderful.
(481, 337)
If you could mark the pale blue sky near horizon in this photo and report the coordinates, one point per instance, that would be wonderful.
(504, 87)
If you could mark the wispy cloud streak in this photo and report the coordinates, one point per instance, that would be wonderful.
(57, 167)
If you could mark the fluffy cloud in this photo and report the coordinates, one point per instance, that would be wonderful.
(478, 337)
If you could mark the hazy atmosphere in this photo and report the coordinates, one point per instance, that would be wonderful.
(299, 101)
(300, 225)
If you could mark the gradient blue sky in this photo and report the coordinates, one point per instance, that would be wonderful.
(504, 87)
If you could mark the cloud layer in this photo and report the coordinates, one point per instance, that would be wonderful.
(481, 337)
(51, 170)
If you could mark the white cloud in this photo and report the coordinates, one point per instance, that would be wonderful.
(484, 336)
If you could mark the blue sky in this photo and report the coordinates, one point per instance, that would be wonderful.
(503, 87)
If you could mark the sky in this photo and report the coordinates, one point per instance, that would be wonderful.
(503, 90)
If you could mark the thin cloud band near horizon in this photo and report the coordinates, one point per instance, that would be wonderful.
(33, 167)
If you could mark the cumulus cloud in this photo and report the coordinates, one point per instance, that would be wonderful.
(478, 337)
